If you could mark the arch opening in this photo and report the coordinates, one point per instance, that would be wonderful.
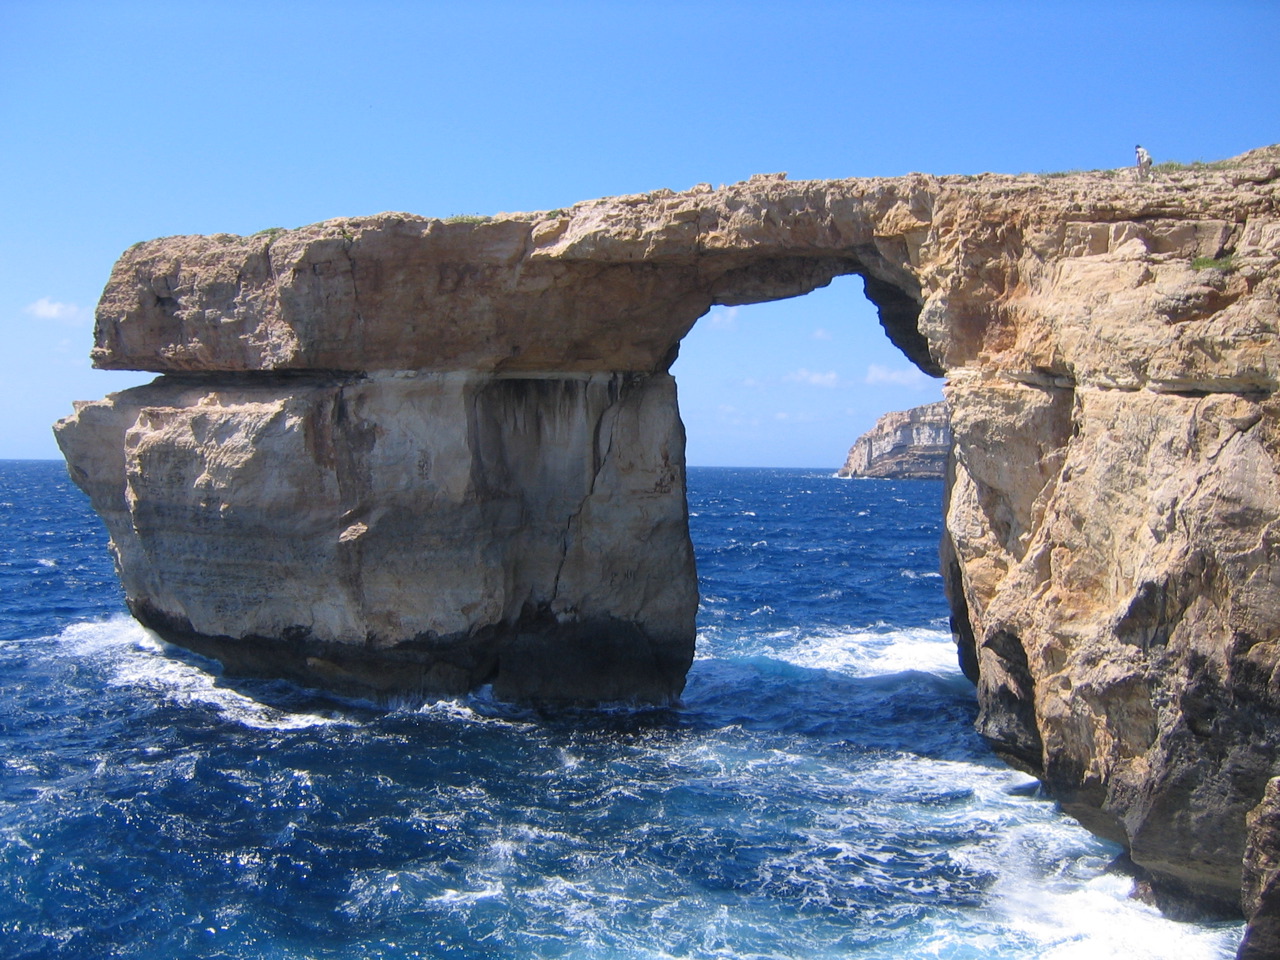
(793, 380)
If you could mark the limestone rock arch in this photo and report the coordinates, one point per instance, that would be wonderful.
(394, 453)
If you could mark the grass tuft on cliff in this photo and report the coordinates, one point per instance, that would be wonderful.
(1225, 264)
(1169, 166)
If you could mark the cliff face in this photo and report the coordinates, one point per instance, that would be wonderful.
(393, 534)
(451, 453)
(904, 444)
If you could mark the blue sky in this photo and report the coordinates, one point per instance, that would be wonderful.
(123, 121)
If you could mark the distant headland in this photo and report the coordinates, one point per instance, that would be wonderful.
(903, 445)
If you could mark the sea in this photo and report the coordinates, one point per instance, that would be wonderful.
(819, 790)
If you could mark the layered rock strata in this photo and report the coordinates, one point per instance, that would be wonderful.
(405, 534)
(360, 410)
(903, 445)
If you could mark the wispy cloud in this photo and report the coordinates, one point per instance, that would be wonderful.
(897, 376)
(723, 318)
(813, 378)
(46, 309)
(821, 334)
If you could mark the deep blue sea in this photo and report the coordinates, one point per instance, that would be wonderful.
(819, 792)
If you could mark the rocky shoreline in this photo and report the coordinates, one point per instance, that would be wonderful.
(423, 436)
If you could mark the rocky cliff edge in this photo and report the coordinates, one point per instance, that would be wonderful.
(368, 409)
(910, 444)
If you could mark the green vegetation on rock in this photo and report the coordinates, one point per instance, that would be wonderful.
(1226, 263)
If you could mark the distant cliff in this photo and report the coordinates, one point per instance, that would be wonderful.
(903, 445)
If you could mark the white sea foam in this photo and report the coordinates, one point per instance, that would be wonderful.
(1098, 920)
(487, 892)
(868, 653)
(913, 575)
(132, 656)
(1053, 890)
(1052, 899)
(91, 638)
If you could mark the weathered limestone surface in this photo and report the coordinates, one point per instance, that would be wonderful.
(405, 533)
(1261, 898)
(1113, 521)
(905, 445)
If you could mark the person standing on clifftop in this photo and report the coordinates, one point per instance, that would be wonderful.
(1144, 163)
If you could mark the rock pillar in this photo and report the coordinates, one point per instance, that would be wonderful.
(405, 535)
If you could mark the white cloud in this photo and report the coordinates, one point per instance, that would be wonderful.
(46, 309)
(723, 317)
(821, 334)
(897, 376)
(813, 378)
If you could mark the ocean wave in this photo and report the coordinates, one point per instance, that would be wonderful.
(871, 652)
(915, 575)
(1099, 920)
(131, 656)
(819, 793)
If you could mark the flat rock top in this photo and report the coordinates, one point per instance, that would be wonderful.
(613, 284)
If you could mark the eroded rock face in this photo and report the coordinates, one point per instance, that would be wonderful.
(405, 535)
(905, 445)
(1262, 877)
(1111, 554)
(1124, 617)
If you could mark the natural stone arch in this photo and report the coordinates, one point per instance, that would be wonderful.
(519, 363)
(405, 293)
(367, 405)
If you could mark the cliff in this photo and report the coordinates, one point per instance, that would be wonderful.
(401, 454)
(904, 445)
